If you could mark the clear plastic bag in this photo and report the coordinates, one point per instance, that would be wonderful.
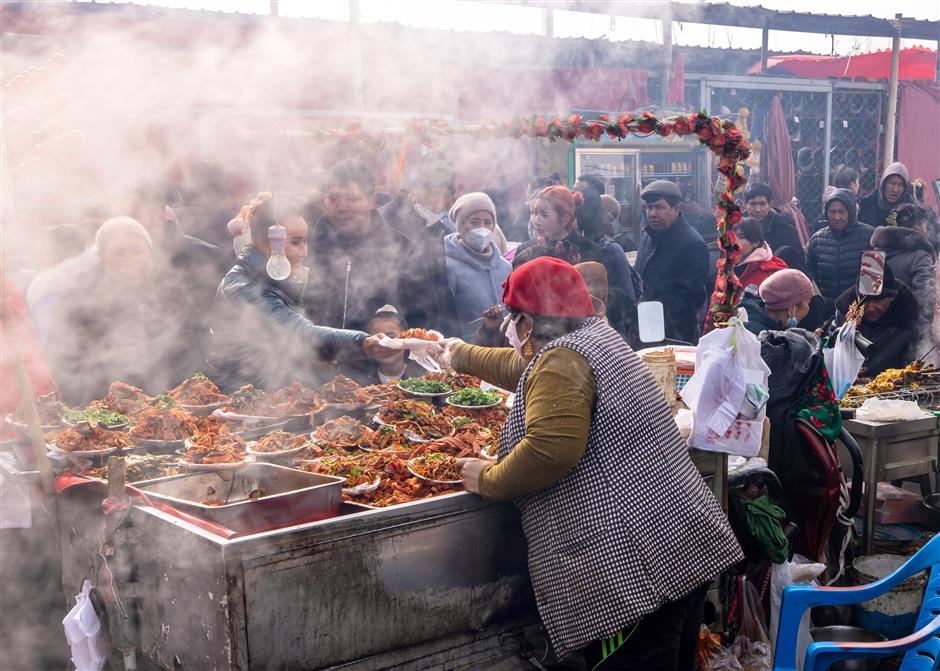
(844, 361)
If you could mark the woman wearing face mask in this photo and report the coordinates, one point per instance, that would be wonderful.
(259, 332)
(589, 453)
(782, 301)
(475, 269)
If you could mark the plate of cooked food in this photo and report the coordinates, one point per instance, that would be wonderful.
(416, 419)
(421, 387)
(102, 417)
(162, 427)
(278, 444)
(473, 398)
(437, 468)
(197, 395)
(215, 451)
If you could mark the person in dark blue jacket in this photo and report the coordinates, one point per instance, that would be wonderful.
(672, 262)
(259, 332)
(834, 253)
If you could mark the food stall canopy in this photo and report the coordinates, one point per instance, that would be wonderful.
(919, 134)
(917, 63)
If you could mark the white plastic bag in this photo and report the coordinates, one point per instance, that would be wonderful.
(800, 571)
(885, 410)
(728, 392)
(83, 632)
(844, 361)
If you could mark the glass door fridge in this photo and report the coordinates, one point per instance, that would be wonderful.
(618, 167)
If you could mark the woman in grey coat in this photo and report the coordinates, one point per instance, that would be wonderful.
(909, 253)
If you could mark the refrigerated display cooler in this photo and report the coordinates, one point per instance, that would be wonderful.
(627, 166)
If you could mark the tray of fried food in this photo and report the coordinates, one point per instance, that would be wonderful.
(416, 419)
(197, 395)
(400, 486)
(217, 449)
(388, 439)
(142, 468)
(123, 398)
(341, 390)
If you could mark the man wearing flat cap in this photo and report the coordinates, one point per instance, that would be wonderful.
(672, 261)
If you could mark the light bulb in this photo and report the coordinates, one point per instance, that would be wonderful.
(278, 266)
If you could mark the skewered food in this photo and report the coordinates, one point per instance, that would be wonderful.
(422, 386)
(436, 466)
(296, 400)
(417, 418)
(420, 334)
(85, 438)
(158, 423)
(197, 390)
(280, 441)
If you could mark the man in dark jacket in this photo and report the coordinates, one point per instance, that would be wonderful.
(779, 229)
(359, 263)
(421, 215)
(890, 322)
(834, 253)
(893, 190)
(912, 259)
(672, 261)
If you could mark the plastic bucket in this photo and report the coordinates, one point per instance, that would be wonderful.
(894, 614)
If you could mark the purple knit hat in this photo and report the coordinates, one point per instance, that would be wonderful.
(785, 289)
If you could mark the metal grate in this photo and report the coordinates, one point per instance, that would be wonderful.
(857, 127)
(921, 395)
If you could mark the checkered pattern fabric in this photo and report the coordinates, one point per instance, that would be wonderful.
(633, 526)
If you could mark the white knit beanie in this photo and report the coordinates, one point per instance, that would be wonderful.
(470, 203)
(117, 226)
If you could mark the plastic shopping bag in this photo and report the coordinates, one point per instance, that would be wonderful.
(83, 632)
(844, 361)
(800, 571)
(728, 392)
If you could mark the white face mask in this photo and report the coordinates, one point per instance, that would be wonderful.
(513, 336)
(478, 239)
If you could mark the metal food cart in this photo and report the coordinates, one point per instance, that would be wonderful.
(435, 582)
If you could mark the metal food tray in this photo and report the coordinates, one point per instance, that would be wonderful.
(289, 496)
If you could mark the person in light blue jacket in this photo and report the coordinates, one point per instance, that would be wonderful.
(475, 268)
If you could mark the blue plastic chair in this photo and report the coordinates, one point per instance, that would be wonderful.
(797, 598)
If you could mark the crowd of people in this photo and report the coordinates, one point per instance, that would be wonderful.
(148, 304)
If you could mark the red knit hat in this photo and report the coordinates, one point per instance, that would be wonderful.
(548, 287)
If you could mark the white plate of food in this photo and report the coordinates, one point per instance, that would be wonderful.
(437, 464)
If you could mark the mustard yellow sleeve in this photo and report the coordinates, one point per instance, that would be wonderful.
(500, 366)
(559, 400)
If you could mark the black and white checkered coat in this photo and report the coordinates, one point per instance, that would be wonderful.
(633, 525)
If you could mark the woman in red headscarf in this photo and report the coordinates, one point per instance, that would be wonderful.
(623, 534)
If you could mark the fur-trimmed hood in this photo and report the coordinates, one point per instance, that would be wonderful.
(893, 239)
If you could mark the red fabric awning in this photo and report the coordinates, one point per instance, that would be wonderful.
(917, 63)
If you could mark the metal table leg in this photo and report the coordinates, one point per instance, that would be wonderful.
(871, 491)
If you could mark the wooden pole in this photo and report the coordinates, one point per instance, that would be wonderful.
(667, 54)
(764, 45)
(549, 16)
(892, 120)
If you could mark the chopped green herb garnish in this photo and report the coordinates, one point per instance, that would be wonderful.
(474, 396)
(416, 384)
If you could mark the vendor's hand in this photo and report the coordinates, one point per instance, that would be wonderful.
(443, 351)
(470, 471)
(373, 348)
(493, 317)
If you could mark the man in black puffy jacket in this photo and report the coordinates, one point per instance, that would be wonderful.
(834, 253)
